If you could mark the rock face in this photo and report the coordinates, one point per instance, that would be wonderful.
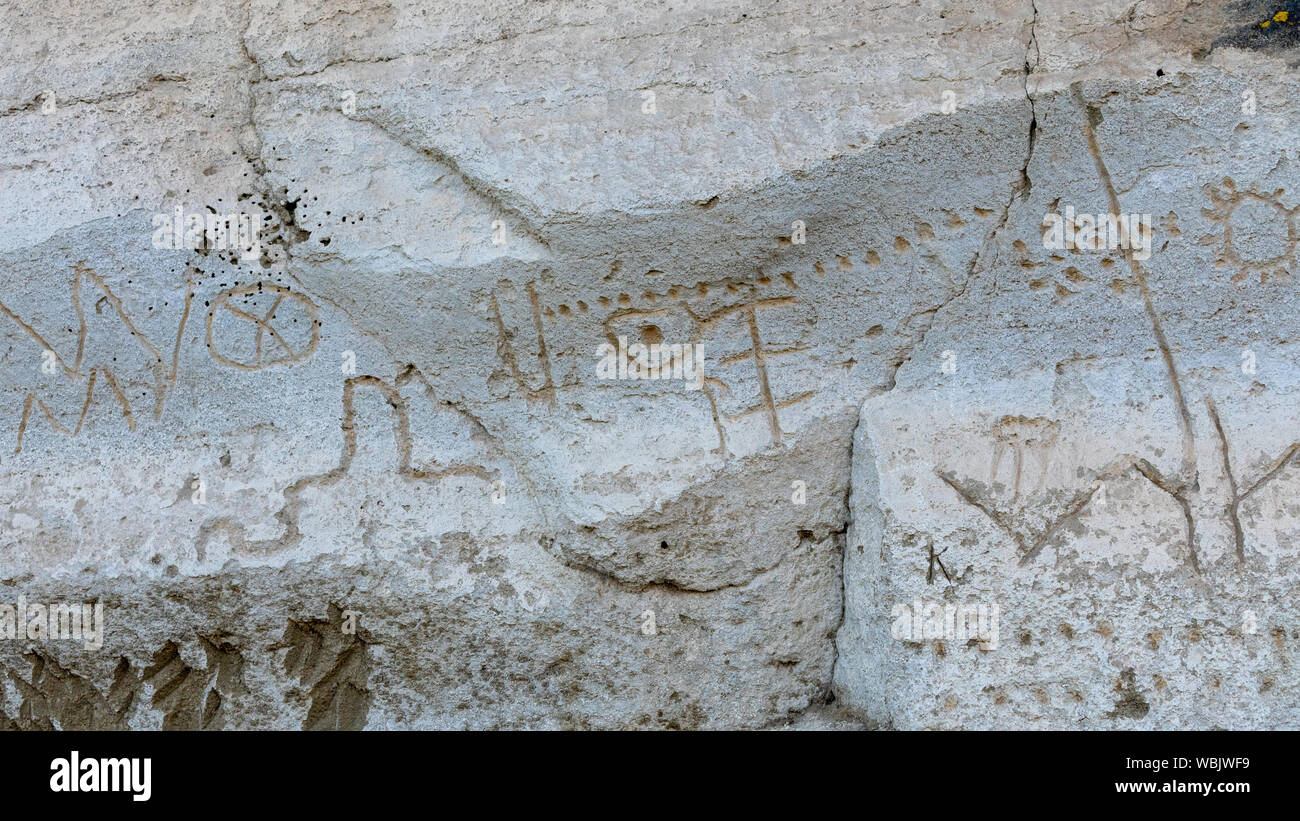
(317, 320)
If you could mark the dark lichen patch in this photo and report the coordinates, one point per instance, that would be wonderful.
(1131, 702)
(1271, 26)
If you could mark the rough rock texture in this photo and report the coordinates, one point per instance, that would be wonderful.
(368, 477)
(1109, 456)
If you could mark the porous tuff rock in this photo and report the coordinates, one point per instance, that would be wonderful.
(392, 417)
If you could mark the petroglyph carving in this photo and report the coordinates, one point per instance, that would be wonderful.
(1019, 434)
(673, 295)
(334, 666)
(759, 355)
(290, 513)
(73, 367)
(1030, 543)
(56, 425)
(193, 699)
(720, 330)
(936, 559)
(1237, 495)
(270, 343)
(506, 344)
(1258, 234)
(54, 697)
(275, 312)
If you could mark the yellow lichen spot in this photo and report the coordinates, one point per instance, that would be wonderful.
(1280, 17)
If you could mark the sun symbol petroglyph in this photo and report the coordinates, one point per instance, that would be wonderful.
(284, 326)
(1259, 234)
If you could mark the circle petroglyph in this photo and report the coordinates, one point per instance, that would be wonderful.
(256, 326)
(1257, 233)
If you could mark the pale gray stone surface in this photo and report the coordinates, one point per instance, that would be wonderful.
(466, 200)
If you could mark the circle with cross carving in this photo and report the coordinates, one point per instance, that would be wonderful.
(256, 326)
